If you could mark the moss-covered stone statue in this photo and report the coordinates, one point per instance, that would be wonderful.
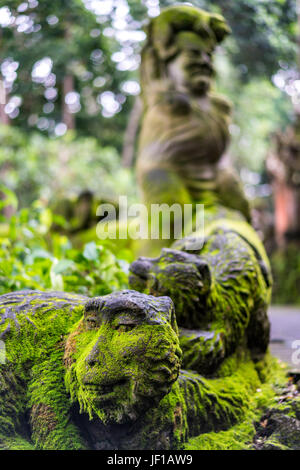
(222, 288)
(105, 373)
(221, 292)
(185, 125)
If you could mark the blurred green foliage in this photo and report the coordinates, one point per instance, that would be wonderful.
(259, 109)
(35, 166)
(70, 35)
(263, 35)
(31, 257)
(98, 43)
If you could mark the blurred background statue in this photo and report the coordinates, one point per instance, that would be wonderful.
(283, 164)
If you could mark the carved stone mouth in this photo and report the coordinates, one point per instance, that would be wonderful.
(104, 389)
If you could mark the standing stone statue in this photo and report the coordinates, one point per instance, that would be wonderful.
(185, 125)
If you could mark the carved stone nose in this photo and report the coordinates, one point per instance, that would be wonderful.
(94, 356)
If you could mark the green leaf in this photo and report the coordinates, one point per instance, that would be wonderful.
(62, 266)
(90, 251)
(40, 254)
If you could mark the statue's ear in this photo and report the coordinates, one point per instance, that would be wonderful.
(219, 27)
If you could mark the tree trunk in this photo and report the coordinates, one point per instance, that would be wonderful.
(131, 133)
(68, 117)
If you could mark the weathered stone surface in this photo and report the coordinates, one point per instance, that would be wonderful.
(33, 326)
(105, 373)
(281, 432)
(223, 289)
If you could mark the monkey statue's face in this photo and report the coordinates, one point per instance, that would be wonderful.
(123, 356)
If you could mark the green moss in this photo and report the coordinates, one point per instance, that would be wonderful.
(134, 345)
(219, 412)
(261, 397)
(124, 354)
(34, 328)
(15, 443)
(222, 289)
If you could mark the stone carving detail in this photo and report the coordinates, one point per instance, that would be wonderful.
(115, 372)
(118, 357)
(185, 125)
(221, 293)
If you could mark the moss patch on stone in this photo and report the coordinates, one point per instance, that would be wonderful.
(118, 357)
(34, 326)
(241, 435)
